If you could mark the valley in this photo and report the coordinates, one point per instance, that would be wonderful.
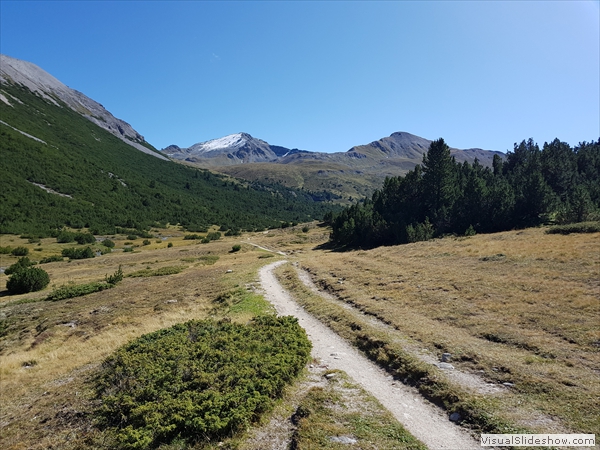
(109, 246)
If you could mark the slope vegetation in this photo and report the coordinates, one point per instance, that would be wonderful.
(60, 169)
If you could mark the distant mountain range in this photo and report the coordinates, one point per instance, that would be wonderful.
(351, 174)
(242, 148)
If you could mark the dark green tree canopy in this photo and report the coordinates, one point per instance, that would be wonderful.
(529, 187)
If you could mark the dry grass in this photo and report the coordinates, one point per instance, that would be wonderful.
(517, 307)
(48, 350)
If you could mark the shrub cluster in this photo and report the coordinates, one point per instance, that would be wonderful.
(77, 290)
(53, 258)
(201, 380)
(29, 279)
(19, 251)
(582, 227)
(22, 263)
(169, 270)
(64, 237)
(108, 243)
(212, 236)
(78, 253)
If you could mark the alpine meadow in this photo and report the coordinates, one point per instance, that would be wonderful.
(240, 295)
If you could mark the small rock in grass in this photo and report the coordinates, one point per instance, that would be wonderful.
(455, 417)
(445, 366)
(343, 439)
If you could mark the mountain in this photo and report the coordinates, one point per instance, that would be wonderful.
(345, 175)
(239, 148)
(16, 71)
(61, 168)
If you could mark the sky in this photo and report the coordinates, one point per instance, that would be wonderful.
(325, 75)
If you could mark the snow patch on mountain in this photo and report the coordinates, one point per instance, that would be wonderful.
(231, 141)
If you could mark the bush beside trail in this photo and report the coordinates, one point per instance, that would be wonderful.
(201, 380)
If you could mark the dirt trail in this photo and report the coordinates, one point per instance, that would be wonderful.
(425, 421)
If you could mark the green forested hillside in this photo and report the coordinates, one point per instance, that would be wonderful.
(557, 184)
(112, 184)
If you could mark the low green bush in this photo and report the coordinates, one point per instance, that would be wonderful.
(84, 238)
(581, 227)
(64, 237)
(236, 248)
(78, 253)
(22, 263)
(5, 250)
(146, 242)
(53, 258)
(169, 270)
(198, 381)
(77, 290)
(108, 243)
(29, 279)
(213, 236)
(19, 251)
(116, 277)
(208, 260)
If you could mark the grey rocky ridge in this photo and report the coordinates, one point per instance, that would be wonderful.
(27, 74)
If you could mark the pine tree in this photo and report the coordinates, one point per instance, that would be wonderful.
(439, 184)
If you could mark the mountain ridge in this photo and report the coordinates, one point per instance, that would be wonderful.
(13, 70)
(352, 174)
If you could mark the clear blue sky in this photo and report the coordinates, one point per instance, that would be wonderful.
(325, 76)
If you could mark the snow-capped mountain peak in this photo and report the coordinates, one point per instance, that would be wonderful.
(236, 140)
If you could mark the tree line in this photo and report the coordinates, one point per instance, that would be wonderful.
(529, 187)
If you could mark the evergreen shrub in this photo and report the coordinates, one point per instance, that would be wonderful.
(29, 279)
(53, 258)
(77, 290)
(108, 243)
(84, 238)
(19, 251)
(22, 263)
(78, 253)
(198, 381)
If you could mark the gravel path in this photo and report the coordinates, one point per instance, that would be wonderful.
(425, 421)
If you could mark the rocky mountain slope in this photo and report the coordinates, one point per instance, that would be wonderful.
(26, 74)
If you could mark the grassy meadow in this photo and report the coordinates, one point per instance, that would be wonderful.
(518, 311)
(50, 351)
